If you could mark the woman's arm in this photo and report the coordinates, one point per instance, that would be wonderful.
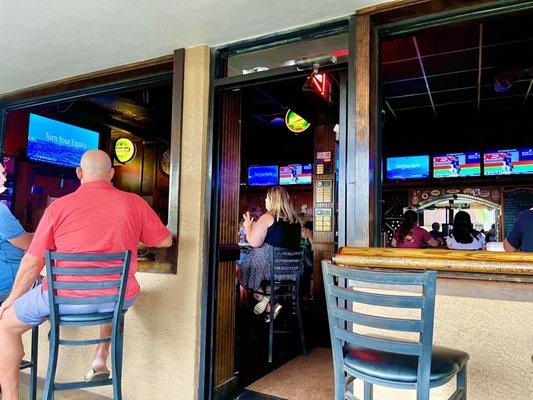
(256, 231)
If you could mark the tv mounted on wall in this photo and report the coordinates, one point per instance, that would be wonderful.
(454, 165)
(407, 167)
(263, 175)
(58, 143)
(508, 162)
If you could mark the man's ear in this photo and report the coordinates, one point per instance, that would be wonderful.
(79, 173)
(111, 173)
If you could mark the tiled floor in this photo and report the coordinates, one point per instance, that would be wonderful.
(250, 395)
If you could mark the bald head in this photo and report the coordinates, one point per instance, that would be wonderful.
(95, 166)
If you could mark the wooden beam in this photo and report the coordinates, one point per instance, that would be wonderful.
(106, 76)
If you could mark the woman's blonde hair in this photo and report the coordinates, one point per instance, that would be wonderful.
(280, 205)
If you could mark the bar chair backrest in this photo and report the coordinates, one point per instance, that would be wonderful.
(286, 265)
(112, 270)
(343, 316)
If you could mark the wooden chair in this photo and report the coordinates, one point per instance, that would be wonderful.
(83, 265)
(286, 269)
(384, 360)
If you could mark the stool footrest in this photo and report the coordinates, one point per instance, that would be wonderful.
(25, 364)
(81, 385)
(457, 395)
(88, 342)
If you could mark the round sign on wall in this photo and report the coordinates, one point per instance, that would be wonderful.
(164, 162)
(125, 150)
(295, 122)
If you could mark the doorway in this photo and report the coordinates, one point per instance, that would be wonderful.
(275, 132)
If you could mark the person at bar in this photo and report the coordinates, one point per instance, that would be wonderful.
(14, 241)
(278, 227)
(464, 236)
(521, 237)
(410, 235)
(435, 231)
(96, 218)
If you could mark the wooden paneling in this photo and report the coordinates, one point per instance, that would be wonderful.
(228, 234)
(360, 213)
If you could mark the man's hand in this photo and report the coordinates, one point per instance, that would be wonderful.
(5, 305)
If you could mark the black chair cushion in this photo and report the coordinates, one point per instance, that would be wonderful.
(445, 363)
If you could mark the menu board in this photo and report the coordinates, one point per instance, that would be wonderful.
(515, 201)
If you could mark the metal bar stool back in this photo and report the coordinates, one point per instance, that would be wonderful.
(81, 274)
(286, 269)
(383, 358)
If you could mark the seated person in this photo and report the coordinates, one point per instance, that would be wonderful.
(14, 241)
(464, 236)
(435, 231)
(491, 234)
(78, 222)
(521, 237)
(278, 227)
(410, 235)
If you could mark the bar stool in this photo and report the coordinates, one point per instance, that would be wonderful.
(83, 265)
(286, 268)
(384, 360)
(32, 363)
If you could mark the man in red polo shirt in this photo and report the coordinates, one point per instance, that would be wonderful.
(97, 218)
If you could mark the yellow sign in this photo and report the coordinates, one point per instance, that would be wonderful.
(124, 150)
(295, 122)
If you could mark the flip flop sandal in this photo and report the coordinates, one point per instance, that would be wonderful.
(93, 376)
(277, 309)
(261, 306)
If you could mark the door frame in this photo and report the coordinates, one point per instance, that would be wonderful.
(217, 85)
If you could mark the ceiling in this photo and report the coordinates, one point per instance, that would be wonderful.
(50, 40)
(438, 86)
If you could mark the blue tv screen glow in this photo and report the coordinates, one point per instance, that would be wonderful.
(58, 143)
(263, 175)
(411, 167)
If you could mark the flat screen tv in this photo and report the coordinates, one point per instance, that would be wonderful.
(58, 143)
(296, 174)
(454, 165)
(263, 175)
(408, 167)
(508, 162)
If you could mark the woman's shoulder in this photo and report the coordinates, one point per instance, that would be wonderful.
(266, 218)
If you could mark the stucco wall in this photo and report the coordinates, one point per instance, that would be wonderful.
(497, 334)
(162, 329)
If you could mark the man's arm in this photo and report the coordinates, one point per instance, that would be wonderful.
(166, 242)
(30, 268)
(23, 241)
(507, 246)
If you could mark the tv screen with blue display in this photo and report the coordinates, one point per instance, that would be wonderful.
(263, 175)
(58, 143)
(409, 167)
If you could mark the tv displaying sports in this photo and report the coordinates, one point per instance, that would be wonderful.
(296, 174)
(263, 175)
(508, 162)
(408, 167)
(454, 165)
(58, 143)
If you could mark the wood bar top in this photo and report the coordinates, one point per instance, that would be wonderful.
(478, 262)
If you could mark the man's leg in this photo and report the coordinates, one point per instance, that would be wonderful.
(102, 350)
(11, 353)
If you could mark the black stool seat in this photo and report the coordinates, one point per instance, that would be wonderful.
(445, 363)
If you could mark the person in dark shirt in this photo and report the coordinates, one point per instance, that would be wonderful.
(435, 231)
(521, 237)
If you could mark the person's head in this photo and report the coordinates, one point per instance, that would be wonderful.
(435, 226)
(302, 218)
(463, 230)
(2, 178)
(493, 226)
(95, 165)
(256, 212)
(278, 203)
(410, 218)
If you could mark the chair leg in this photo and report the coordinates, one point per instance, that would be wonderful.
(117, 345)
(271, 327)
(34, 360)
(300, 323)
(368, 391)
(461, 381)
(340, 384)
(48, 393)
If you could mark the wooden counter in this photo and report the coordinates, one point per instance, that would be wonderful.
(518, 266)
